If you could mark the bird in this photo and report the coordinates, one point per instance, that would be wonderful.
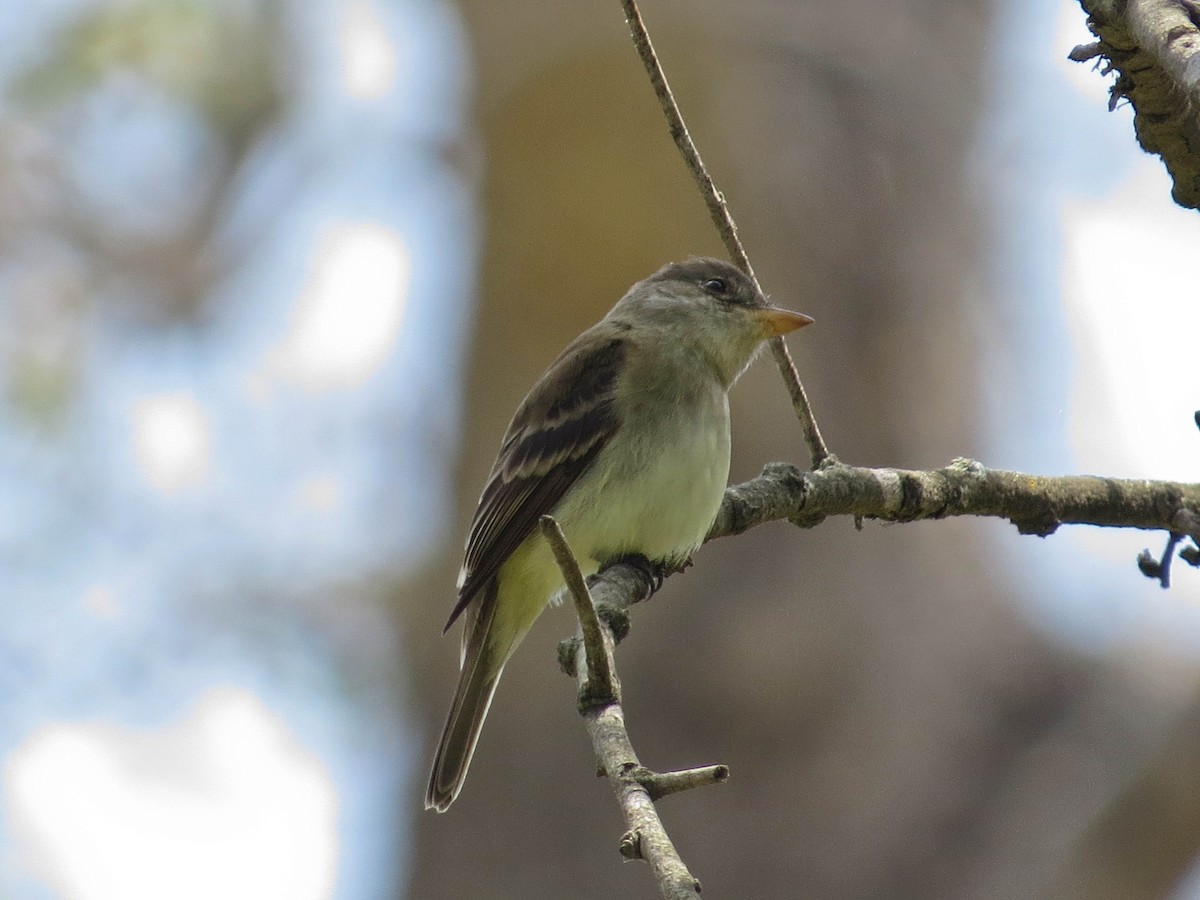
(624, 440)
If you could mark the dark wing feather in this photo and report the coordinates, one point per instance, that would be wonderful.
(554, 438)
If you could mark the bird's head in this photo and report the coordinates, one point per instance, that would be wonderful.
(709, 306)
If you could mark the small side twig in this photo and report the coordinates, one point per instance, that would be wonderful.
(663, 784)
(723, 219)
(1159, 569)
(1084, 52)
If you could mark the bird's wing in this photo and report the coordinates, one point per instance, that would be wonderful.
(552, 440)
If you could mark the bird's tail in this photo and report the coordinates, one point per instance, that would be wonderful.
(482, 664)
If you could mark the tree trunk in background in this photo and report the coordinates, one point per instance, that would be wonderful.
(893, 728)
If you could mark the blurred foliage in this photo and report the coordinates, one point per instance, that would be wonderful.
(136, 232)
(219, 58)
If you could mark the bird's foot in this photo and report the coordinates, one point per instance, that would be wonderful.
(654, 572)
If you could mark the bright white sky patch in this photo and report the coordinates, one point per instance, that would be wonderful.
(321, 493)
(348, 319)
(223, 804)
(1130, 296)
(1131, 314)
(172, 441)
(101, 601)
(1107, 331)
(368, 55)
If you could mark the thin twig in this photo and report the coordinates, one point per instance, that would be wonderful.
(723, 219)
(598, 682)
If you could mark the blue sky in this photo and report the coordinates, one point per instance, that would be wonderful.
(186, 540)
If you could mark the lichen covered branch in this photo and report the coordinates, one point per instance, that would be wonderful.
(1036, 504)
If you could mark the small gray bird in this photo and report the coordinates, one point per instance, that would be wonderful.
(625, 441)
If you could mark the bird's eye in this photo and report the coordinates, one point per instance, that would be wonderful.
(715, 285)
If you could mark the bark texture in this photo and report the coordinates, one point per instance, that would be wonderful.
(1154, 47)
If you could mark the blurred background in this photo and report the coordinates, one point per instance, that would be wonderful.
(275, 273)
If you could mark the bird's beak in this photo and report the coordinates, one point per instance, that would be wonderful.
(776, 321)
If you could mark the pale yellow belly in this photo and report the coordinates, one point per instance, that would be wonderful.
(656, 499)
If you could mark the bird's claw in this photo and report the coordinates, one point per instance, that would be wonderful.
(655, 573)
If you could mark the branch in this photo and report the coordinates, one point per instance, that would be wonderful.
(599, 684)
(636, 786)
(722, 218)
(1036, 504)
(1154, 45)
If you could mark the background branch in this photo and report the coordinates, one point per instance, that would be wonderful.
(1142, 843)
(1154, 46)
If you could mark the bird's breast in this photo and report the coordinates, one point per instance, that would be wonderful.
(656, 488)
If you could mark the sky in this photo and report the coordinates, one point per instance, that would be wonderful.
(203, 692)
(1098, 376)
